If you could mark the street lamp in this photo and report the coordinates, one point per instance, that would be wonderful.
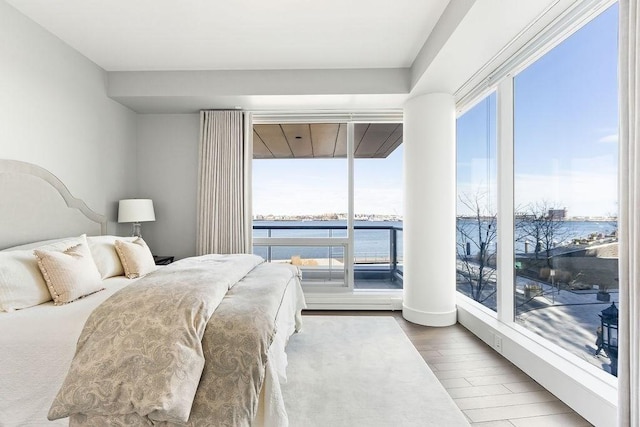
(609, 321)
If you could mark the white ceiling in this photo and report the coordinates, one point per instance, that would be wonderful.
(181, 56)
(129, 35)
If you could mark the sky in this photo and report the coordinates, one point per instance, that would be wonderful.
(565, 133)
(565, 128)
(317, 186)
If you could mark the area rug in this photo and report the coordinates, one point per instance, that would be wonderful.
(362, 371)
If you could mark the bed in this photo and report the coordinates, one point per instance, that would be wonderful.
(40, 378)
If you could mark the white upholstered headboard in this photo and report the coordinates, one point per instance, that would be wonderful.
(35, 205)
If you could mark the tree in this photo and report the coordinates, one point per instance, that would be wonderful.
(476, 236)
(538, 222)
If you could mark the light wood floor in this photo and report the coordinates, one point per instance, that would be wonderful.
(490, 390)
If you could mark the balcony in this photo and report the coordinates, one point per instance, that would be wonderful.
(322, 253)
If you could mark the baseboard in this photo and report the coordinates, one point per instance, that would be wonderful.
(354, 301)
(424, 318)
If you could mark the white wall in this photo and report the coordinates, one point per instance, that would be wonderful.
(167, 174)
(54, 112)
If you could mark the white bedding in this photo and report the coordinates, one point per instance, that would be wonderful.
(38, 343)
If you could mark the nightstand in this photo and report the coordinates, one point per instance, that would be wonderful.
(162, 260)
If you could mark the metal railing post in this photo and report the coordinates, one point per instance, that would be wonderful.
(393, 251)
(330, 254)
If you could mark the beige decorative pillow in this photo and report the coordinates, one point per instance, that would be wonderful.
(70, 274)
(136, 258)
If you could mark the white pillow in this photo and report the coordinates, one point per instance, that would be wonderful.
(136, 258)
(21, 283)
(70, 274)
(105, 256)
(61, 244)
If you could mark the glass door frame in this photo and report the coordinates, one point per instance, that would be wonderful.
(335, 117)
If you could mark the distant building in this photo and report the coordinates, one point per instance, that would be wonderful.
(558, 214)
(525, 216)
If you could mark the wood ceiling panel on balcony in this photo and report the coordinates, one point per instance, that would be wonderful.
(273, 137)
(324, 140)
(260, 150)
(359, 130)
(324, 137)
(341, 142)
(394, 140)
(299, 139)
(375, 137)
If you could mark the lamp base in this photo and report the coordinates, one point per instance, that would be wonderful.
(137, 230)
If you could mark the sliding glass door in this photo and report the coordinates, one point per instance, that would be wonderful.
(300, 199)
(377, 198)
(327, 197)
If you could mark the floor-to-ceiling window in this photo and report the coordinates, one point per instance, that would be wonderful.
(566, 200)
(549, 117)
(476, 211)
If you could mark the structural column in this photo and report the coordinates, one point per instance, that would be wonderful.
(429, 236)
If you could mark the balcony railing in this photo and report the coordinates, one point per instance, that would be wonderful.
(322, 251)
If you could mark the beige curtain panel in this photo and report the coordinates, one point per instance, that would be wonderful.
(222, 207)
(629, 321)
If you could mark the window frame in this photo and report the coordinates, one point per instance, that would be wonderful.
(348, 290)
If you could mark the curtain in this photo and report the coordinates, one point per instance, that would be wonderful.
(224, 216)
(629, 321)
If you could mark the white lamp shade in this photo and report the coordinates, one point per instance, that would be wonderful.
(136, 210)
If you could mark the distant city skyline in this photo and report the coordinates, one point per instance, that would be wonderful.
(328, 216)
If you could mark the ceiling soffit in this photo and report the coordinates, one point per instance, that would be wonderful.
(314, 60)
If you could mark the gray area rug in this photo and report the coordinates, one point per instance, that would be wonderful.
(362, 371)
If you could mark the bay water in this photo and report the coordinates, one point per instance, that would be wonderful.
(372, 244)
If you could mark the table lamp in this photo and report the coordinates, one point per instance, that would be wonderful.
(136, 211)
